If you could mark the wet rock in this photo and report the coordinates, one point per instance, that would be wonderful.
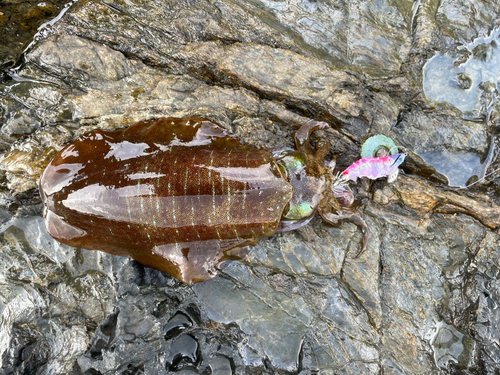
(442, 130)
(19, 21)
(423, 296)
(176, 324)
(184, 350)
(451, 19)
(222, 365)
(38, 331)
(94, 62)
(260, 314)
(426, 200)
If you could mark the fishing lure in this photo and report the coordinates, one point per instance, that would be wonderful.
(374, 167)
(185, 196)
(378, 145)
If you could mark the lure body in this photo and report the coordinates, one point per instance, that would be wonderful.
(373, 167)
(181, 195)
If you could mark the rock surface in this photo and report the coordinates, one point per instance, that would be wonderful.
(19, 23)
(421, 299)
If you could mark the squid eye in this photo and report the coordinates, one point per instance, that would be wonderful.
(286, 209)
(298, 211)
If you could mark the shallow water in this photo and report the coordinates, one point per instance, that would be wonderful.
(457, 166)
(467, 78)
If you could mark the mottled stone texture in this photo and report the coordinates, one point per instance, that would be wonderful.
(423, 297)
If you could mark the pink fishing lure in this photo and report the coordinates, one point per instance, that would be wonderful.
(373, 167)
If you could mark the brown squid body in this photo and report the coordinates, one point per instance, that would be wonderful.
(179, 195)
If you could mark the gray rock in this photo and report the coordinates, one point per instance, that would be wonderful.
(423, 298)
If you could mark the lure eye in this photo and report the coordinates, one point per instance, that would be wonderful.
(402, 157)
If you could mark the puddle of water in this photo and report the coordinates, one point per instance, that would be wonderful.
(463, 84)
(448, 345)
(468, 79)
(457, 166)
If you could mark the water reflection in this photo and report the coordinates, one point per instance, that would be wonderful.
(457, 166)
(468, 79)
